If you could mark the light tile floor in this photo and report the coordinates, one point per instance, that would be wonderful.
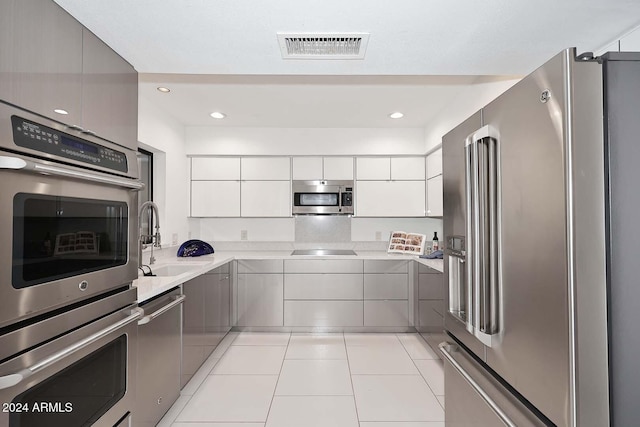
(259, 379)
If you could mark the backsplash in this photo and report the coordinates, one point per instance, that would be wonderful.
(300, 230)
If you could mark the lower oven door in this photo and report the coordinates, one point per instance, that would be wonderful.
(83, 378)
(68, 234)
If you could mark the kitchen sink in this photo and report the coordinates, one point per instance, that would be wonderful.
(172, 270)
(323, 252)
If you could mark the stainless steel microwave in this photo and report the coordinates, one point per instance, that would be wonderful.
(322, 197)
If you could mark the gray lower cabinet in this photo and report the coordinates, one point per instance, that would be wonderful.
(158, 370)
(323, 293)
(386, 293)
(431, 299)
(206, 319)
(260, 293)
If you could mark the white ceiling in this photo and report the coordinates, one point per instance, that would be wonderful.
(304, 101)
(223, 54)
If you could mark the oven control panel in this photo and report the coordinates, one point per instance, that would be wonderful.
(44, 139)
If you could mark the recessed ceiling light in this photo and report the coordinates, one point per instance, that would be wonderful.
(218, 115)
(163, 89)
(396, 115)
(61, 111)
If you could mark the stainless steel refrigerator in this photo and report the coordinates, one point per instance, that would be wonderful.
(541, 233)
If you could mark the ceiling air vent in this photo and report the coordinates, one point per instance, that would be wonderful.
(323, 45)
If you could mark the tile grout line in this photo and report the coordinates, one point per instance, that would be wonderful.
(419, 371)
(353, 391)
(284, 357)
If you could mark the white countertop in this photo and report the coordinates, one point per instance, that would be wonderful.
(148, 287)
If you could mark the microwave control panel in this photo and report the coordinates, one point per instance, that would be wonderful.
(44, 139)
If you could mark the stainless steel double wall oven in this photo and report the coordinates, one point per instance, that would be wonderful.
(68, 218)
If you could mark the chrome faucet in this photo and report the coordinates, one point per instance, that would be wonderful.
(155, 238)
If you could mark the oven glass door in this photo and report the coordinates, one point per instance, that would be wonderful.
(79, 394)
(317, 199)
(56, 237)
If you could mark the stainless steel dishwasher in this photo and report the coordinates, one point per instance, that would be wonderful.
(159, 357)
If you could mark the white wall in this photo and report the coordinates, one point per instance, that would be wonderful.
(304, 141)
(161, 134)
(283, 229)
(628, 42)
(468, 101)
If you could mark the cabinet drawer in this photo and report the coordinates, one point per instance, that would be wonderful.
(323, 313)
(386, 266)
(260, 266)
(430, 286)
(323, 286)
(427, 270)
(386, 286)
(386, 313)
(430, 314)
(260, 298)
(322, 266)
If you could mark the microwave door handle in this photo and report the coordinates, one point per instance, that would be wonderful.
(10, 380)
(16, 163)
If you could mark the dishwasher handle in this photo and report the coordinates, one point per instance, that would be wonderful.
(445, 348)
(175, 301)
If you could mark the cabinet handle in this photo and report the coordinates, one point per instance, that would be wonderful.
(76, 128)
(148, 318)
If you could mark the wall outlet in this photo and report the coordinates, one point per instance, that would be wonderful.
(244, 235)
(174, 239)
(378, 235)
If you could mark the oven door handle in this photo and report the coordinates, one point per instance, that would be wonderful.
(16, 163)
(13, 379)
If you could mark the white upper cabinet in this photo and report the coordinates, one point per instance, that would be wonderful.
(390, 198)
(215, 198)
(318, 168)
(373, 168)
(434, 163)
(338, 168)
(407, 168)
(307, 168)
(215, 168)
(265, 199)
(434, 196)
(265, 168)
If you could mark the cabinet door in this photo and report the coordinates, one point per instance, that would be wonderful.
(307, 168)
(434, 163)
(265, 199)
(265, 168)
(215, 198)
(260, 299)
(407, 168)
(390, 198)
(215, 168)
(373, 168)
(41, 59)
(338, 168)
(434, 196)
(386, 313)
(109, 93)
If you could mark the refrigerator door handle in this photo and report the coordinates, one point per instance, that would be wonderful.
(482, 199)
(445, 349)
